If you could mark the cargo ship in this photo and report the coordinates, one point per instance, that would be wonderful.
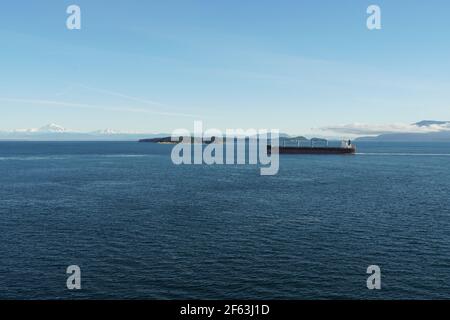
(287, 145)
(346, 147)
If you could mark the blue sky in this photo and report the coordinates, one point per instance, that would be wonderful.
(153, 66)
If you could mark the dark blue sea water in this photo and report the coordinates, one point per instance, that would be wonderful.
(141, 227)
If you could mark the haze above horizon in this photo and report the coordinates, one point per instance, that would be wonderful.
(152, 67)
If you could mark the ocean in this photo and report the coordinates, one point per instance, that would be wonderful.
(140, 227)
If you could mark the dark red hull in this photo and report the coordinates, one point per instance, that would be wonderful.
(314, 150)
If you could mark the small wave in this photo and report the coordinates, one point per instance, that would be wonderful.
(124, 155)
(403, 154)
(33, 158)
(65, 157)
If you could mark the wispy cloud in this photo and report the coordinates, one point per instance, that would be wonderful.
(66, 104)
(122, 95)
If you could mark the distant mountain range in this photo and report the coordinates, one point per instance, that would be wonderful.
(427, 131)
(423, 131)
(54, 132)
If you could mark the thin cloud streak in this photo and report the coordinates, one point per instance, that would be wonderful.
(121, 95)
(54, 103)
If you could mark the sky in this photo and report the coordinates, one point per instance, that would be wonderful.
(155, 66)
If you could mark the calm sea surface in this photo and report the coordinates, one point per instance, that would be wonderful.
(141, 227)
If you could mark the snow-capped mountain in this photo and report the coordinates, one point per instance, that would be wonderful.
(52, 128)
(45, 129)
(55, 132)
(107, 131)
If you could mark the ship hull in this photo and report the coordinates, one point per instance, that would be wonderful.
(314, 150)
